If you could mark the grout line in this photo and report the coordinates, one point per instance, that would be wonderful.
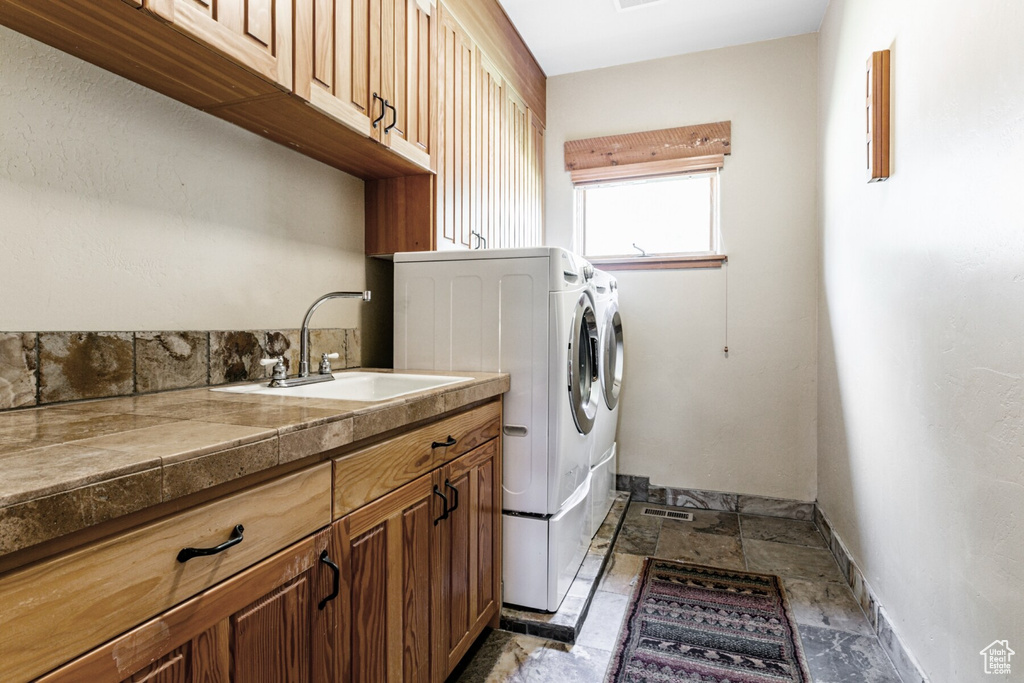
(39, 371)
(209, 357)
(135, 362)
(743, 546)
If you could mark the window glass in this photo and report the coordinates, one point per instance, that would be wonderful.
(675, 215)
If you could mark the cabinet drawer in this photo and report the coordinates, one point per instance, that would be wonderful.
(60, 608)
(369, 473)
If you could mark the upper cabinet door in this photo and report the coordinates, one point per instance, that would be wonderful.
(337, 60)
(255, 33)
(536, 184)
(516, 162)
(455, 147)
(408, 74)
(490, 195)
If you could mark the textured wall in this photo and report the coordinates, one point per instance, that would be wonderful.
(690, 417)
(921, 323)
(125, 210)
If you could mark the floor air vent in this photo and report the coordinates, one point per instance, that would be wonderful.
(668, 514)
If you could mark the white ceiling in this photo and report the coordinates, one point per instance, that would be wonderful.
(576, 35)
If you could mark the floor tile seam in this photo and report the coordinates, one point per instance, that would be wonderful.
(743, 545)
(872, 637)
(871, 634)
(803, 578)
(798, 545)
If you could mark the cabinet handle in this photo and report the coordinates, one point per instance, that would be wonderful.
(444, 515)
(394, 116)
(455, 495)
(336, 586)
(186, 554)
(446, 444)
(383, 109)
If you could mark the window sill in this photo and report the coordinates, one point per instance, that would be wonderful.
(660, 262)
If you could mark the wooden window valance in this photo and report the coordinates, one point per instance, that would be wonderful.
(649, 154)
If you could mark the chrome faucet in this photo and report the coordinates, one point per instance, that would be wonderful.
(304, 377)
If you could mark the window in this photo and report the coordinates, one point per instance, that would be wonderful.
(675, 216)
(650, 199)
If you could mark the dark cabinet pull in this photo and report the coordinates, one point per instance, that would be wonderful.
(383, 108)
(455, 495)
(336, 586)
(447, 444)
(444, 515)
(186, 554)
(394, 116)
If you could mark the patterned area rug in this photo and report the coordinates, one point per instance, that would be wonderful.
(700, 624)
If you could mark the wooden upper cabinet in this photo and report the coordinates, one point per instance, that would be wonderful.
(408, 75)
(535, 176)
(487, 139)
(337, 53)
(515, 165)
(490, 192)
(456, 87)
(254, 33)
(370, 64)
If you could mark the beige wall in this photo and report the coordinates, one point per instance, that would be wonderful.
(921, 353)
(691, 417)
(125, 210)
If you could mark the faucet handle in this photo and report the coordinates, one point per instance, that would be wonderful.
(280, 372)
(325, 362)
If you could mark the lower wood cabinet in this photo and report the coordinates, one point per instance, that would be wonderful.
(269, 623)
(394, 591)
(420, 574)
(467, 546)
(382, 620)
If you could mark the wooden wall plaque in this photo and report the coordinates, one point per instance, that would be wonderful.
(877, 110)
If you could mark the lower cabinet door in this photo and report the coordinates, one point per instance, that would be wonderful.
(271, 622)
(383, 628)
(468, 547)
(204, 658)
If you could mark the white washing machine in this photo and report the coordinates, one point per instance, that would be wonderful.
(610, 362)
(528, 312)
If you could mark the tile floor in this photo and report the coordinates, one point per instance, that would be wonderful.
(838, 641)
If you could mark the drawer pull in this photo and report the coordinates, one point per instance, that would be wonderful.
(336, 586)
(447, 444)
(186, 554)
(444, 515)
(455, 495)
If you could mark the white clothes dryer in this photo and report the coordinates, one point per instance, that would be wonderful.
(610, 367)
(528, 312)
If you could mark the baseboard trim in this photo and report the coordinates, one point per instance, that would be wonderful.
(699, 499)
(902, 659)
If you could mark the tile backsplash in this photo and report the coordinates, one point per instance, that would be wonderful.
(38, 368)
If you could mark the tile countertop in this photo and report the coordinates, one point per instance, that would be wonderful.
(69, 467)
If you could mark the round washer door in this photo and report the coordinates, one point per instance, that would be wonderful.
(583, 372)
(611, 359)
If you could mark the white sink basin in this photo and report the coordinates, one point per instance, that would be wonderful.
(354, 386)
